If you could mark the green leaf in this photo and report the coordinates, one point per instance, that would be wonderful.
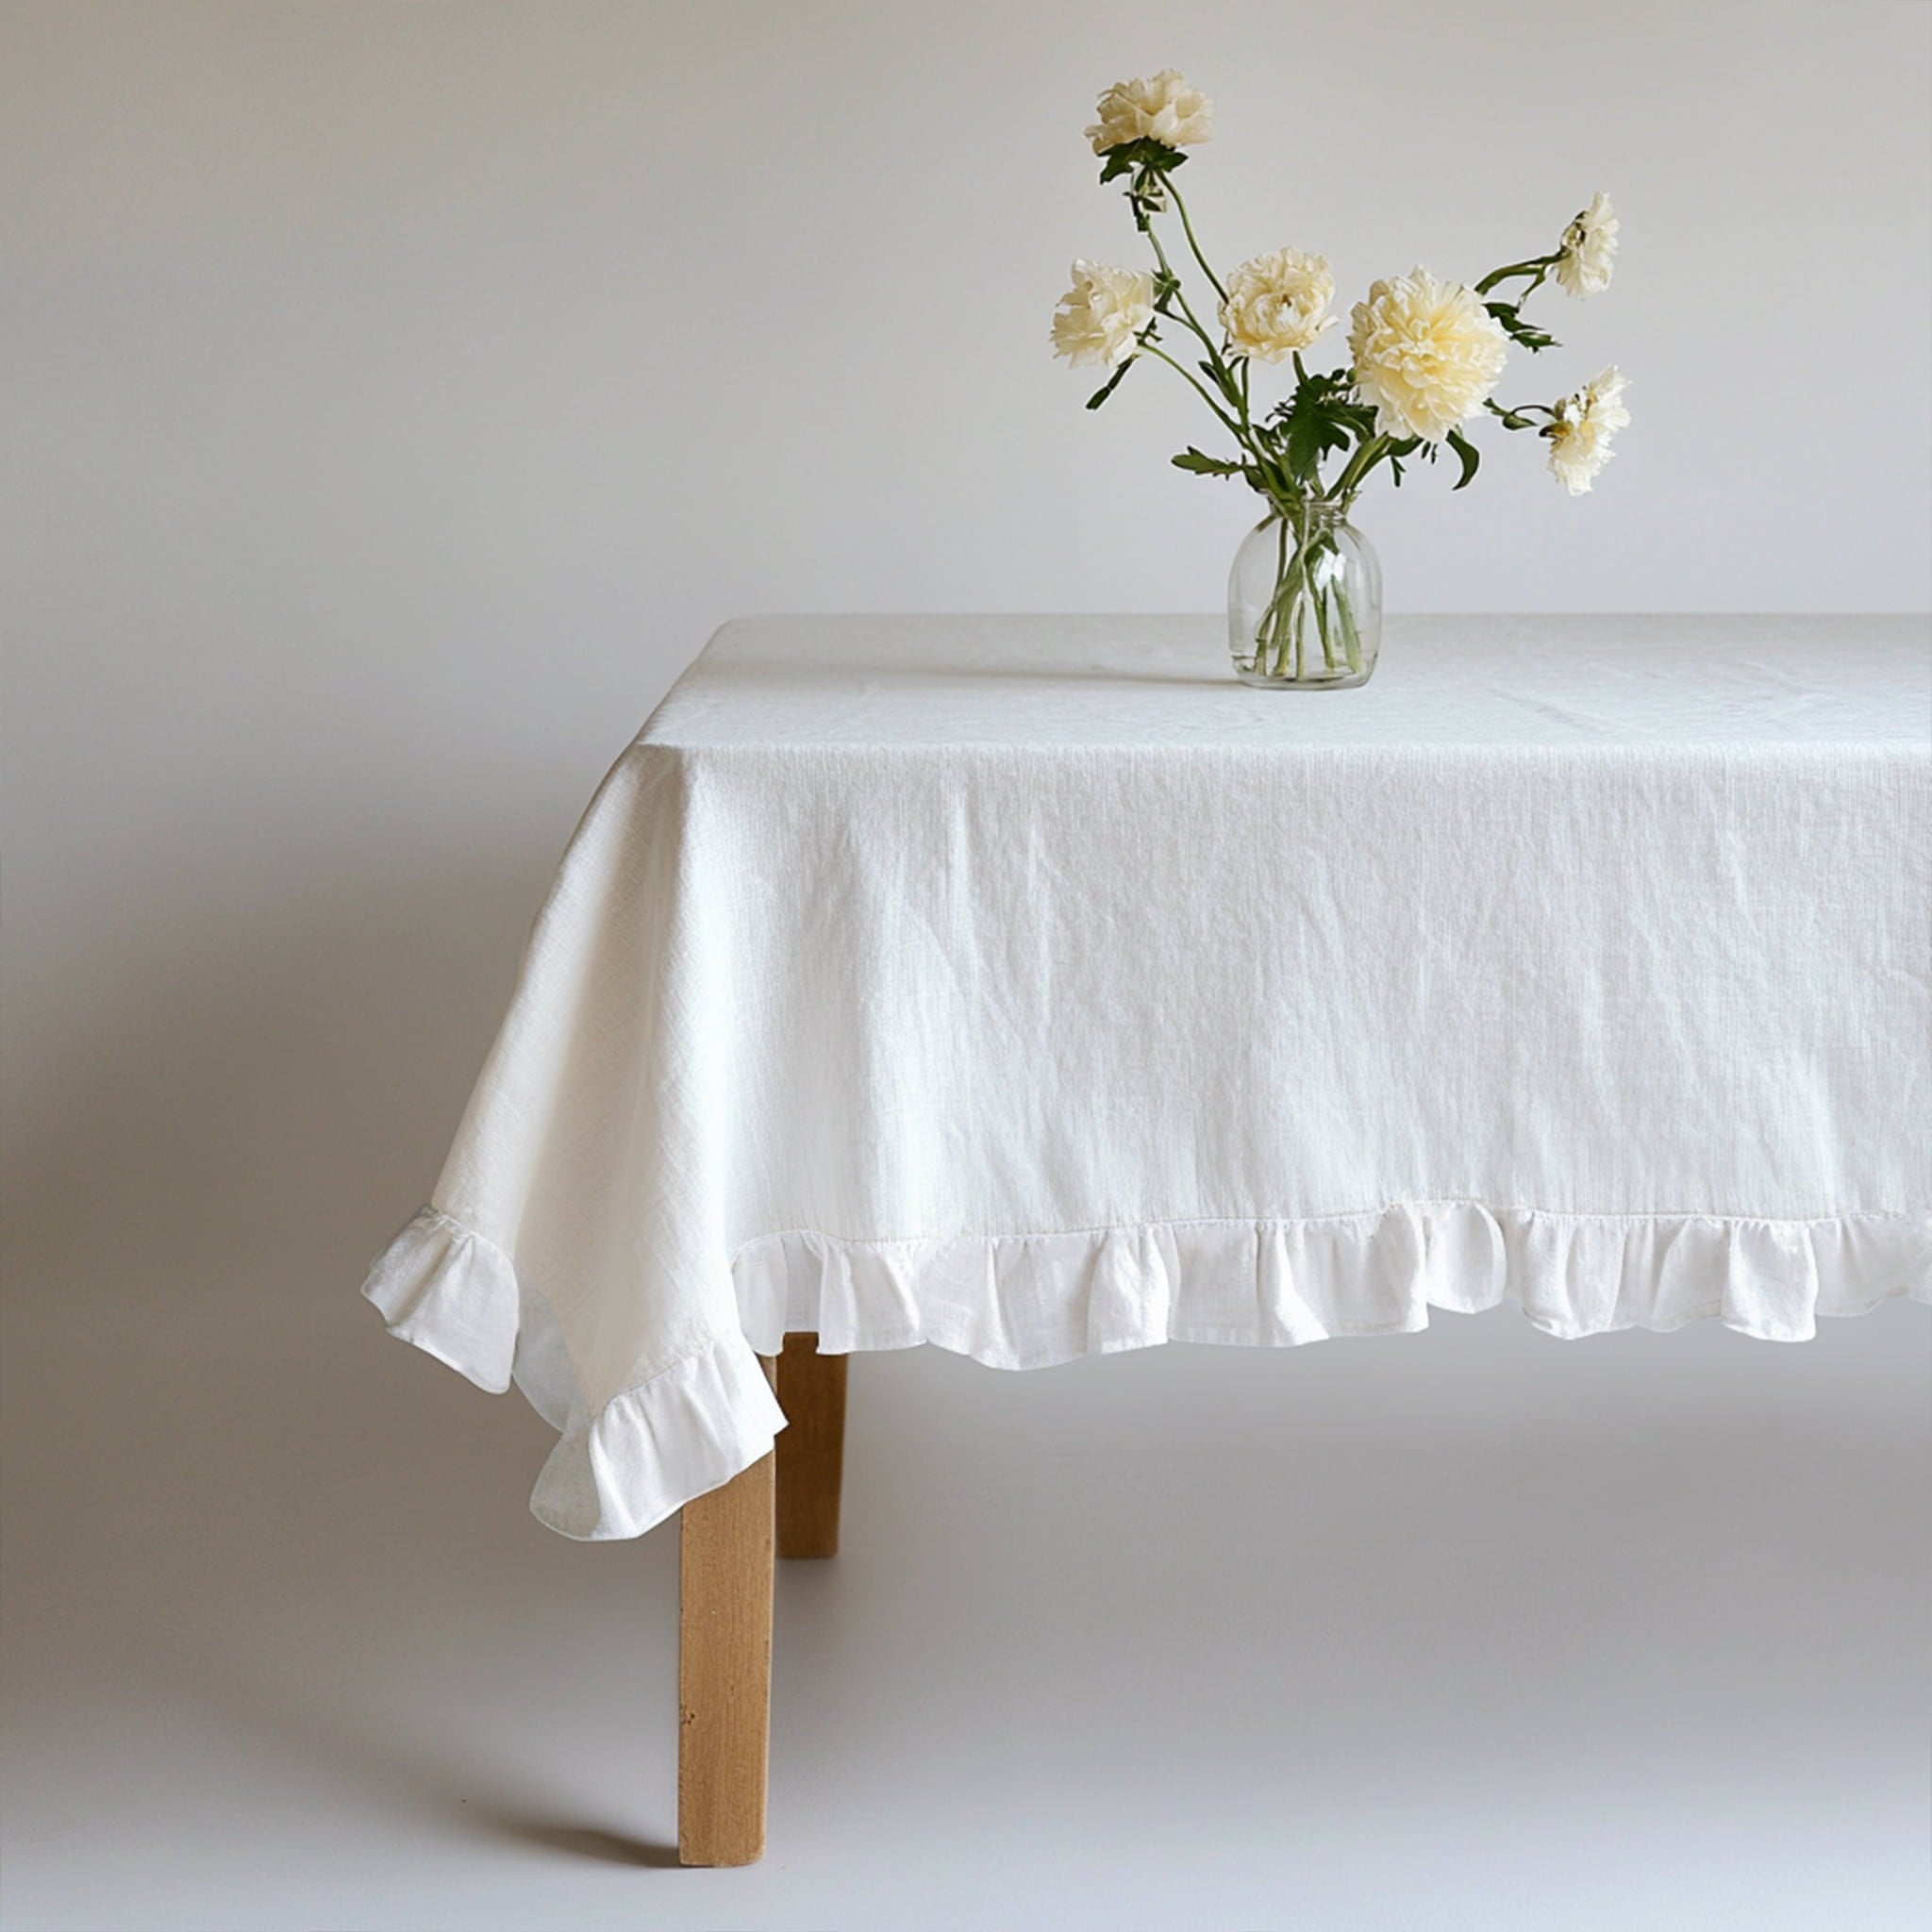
(1305, 441)
(1327, 394)
(1199, 464)
(1151, 157)
(1467, 454)
(1323, 414)
(1532, 338)
(1112, 383)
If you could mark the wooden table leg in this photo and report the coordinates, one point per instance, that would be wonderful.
(725, 1668)
(812, 1447)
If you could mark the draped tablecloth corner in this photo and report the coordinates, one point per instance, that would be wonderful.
(1025, 987)
(618, 1469)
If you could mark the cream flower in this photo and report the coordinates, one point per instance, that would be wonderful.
(1589, 249)
(1099, 317)
(1277, 303)
(1426, 354)
(1165, 109)
(1579, 438)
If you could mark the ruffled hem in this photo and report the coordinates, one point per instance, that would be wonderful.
(615, 1472)
(648, 1452)
(1028, 1301)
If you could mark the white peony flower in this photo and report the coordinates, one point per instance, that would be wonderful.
(1426, 354)
(1099, 317)
(1589, 249)
(1277, 303)
(1579, 439)
(1165, 109)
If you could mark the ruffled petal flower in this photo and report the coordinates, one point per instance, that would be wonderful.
(1100, 318)
(1426, 354)
(1579, 438)
(1589, 249)
(1165, 109)
(1277, 303)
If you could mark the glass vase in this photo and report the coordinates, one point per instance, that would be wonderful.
(1305, 602)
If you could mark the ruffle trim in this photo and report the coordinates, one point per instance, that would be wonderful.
(641, 1456)
(1028, 1301)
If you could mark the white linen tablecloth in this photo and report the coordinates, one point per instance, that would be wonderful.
(1028, 987)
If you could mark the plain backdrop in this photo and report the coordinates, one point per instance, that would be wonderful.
(396, 396)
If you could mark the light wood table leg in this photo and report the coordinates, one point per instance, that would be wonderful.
(725, 1668)
(812, 1448)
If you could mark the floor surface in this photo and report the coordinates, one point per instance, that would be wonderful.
(1471, 1631)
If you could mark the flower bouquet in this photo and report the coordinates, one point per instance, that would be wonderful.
(1425, 358)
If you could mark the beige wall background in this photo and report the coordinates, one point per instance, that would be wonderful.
(396, 395)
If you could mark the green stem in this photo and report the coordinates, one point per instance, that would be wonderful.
(1351, 636)
(1233, 427)
(1188, 315)
(1304, 610)
(1319, 601)
(1539, 266)
(1274, 615)
(1281, 631)
(1188, 229)
(1356, 474)
(1518, 416)
(1236, 394)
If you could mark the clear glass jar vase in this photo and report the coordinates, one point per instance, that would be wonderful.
(1305, 602)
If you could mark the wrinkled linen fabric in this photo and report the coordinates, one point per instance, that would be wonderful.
(1027, 986)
